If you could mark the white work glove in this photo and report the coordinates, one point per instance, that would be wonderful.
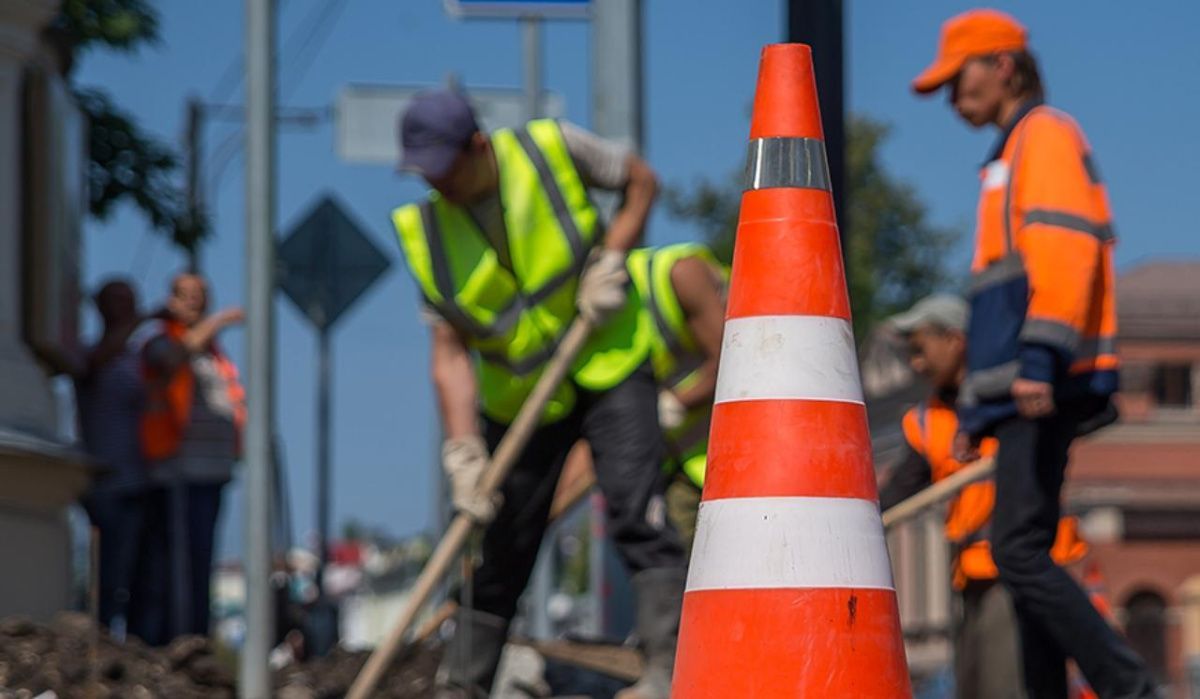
(602, 286)
(464, 460)
(671, 412)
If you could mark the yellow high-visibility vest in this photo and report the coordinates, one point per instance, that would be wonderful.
(514, 318)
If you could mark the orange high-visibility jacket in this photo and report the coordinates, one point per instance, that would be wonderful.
(169, 400)
(1043, 300)
(929, 429)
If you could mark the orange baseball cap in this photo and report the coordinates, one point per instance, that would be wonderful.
(973, 33)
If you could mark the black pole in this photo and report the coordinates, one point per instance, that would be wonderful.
(818, 23)
(324, 380)
(193, 148)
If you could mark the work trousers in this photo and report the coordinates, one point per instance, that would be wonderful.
(120, 519)
(987, 651)
(621, 427)
(182, 524)
(1055, 619)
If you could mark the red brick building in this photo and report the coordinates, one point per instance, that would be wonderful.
(1136, 485)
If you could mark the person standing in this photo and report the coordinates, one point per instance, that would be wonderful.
(1041, 355)
(110, 397)
(506, 251)
(987, 653)
(191, 433)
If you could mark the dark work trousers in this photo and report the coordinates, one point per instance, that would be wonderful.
(183, 527)
(120, 521)
(1055, 619)
(621, 426)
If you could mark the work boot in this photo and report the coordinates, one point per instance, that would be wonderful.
(472, 656)
(659, 602)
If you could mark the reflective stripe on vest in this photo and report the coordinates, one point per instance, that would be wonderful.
(674, 352)
(514, 318)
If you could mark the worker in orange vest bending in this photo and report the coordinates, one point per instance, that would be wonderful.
(1041, 355)
(987, 651)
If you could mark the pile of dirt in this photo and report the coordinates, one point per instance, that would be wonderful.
(409, 677)
(68, 659)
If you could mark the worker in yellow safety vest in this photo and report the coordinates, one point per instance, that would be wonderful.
(987, 654)
(506, 251)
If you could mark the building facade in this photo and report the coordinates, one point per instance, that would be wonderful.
(41, 209)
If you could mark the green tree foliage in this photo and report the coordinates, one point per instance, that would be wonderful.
(894, 255)
(116, 24)
(126, 162)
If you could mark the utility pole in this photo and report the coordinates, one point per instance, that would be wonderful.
(818, 23)
(617, 114)
(260, 331)
(193, 149)
(531, 47)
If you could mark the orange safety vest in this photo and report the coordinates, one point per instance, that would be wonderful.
(929, 429)
(1043, 298)
(169, 400)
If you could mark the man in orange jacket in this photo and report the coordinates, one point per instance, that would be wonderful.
(987, 657)
(1041, 356)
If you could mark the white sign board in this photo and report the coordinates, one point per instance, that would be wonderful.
(367, 117)
(540, 9)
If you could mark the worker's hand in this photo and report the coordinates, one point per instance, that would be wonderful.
(464, 460)
(1034, 399)
(966, 448)
(671, 412)
(602, 286)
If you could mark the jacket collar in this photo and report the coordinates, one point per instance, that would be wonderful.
(1022, 111)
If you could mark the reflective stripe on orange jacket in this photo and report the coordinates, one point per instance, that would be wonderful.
(1043, 301)
(169, 400)
(929, 429)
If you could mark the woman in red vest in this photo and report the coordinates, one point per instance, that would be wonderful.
(191, 434)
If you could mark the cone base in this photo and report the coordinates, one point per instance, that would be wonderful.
(829, 643)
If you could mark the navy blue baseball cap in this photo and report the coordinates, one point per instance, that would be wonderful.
(435, 128)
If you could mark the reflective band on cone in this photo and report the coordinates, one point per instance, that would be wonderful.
(790, 590)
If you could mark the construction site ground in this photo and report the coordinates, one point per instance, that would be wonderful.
(67, 658)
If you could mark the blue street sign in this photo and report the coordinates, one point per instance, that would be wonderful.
(540, 9)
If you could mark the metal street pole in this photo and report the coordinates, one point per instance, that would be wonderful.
(543, 572)
(260, 286)
(531, 49)
(193, 150)
(616, 114)
(324, 381)
(819, 23)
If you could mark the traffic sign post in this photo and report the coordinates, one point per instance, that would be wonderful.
(326, 263)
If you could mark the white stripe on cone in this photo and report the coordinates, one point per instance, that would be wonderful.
(788, 358)
(789, 542)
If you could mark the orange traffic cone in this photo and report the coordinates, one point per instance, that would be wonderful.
(790, 589)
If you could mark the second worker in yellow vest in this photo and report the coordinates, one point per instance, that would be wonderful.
(682, 292)
(987, 654)
(506, 251)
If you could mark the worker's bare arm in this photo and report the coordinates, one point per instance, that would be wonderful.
(454, 381)
(628, 223)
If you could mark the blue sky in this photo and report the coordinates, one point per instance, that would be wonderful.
(1130, 78)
